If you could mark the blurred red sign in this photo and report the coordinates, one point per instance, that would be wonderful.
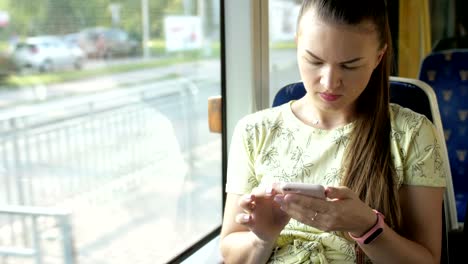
(182, 33)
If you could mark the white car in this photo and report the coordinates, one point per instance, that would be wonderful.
(47, 53)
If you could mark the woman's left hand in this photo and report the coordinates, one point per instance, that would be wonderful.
(342, 211)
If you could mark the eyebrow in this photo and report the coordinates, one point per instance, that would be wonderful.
(343, 62)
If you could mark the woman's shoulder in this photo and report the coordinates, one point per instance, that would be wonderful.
(416, 148)
(264, 117)
(403, 118)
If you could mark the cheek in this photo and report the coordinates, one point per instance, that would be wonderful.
(361, 76)
(357, 82)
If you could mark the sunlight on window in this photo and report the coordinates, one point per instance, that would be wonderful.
(105, 151)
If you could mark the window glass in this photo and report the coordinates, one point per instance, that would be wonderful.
(283, 62)
(105, 153)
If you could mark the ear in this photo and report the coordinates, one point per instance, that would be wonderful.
(380, 55)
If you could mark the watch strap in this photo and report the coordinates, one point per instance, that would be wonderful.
(373, 233)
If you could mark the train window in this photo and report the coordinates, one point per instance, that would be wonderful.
(105, 151)
(282, 29)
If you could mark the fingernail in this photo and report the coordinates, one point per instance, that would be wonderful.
(268, 190)
(246, 218)
(278, 199)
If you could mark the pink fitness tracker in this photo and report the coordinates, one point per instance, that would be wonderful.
(373, 233)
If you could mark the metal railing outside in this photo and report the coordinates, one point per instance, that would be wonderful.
(33, 219)
(81, 148)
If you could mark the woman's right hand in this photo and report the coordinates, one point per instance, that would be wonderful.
(262, 215)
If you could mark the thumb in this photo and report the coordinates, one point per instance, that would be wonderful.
(340, 192)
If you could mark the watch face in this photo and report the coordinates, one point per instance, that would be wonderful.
(373, 236)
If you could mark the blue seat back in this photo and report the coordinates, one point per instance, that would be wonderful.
(447, 73)
(293, 91)
(414, 97)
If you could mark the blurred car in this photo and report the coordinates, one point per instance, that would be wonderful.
(72, 39)
(47, 53)
(89, 41)
(101, 42)
(118, 43)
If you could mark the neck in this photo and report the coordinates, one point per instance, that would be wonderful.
(319, 118)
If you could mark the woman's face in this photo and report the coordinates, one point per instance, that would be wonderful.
(336, 61)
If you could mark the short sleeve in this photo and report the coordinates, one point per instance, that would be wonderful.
(240, 172)
(425, 165)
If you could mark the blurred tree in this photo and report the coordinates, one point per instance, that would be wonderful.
(40, 17)
(55, 16)
(22, 15)
(58, 17)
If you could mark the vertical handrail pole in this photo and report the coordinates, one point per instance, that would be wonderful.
(8, 192)
(28, 157)
(36, 241)
(67, 239)
(16, 161)
(187, 91)
(18, 173)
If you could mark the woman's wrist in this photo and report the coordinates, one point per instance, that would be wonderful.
(260, 243)
(369, 222)
(371, 234)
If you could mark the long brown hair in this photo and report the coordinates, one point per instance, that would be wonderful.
(367, 161)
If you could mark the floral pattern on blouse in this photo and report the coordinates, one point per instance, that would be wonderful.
(274, 146)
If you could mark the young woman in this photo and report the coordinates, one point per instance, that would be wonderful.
(380, 162)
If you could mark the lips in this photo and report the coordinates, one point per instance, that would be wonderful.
(329, 97)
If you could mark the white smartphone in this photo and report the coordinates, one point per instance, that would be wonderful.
(314, 190)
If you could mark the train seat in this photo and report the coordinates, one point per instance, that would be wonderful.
(447, 73)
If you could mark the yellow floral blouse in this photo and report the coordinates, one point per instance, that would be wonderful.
(273, 145)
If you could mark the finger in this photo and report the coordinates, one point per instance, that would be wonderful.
(247, 203)
(258, 191)
(279, 199)
(266, 191)
(304, 209)
(310, 217)
(276, 187)
(340, 193)
(244, 219)
(302, 203)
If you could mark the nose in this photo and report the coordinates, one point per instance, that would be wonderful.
(330, 77)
